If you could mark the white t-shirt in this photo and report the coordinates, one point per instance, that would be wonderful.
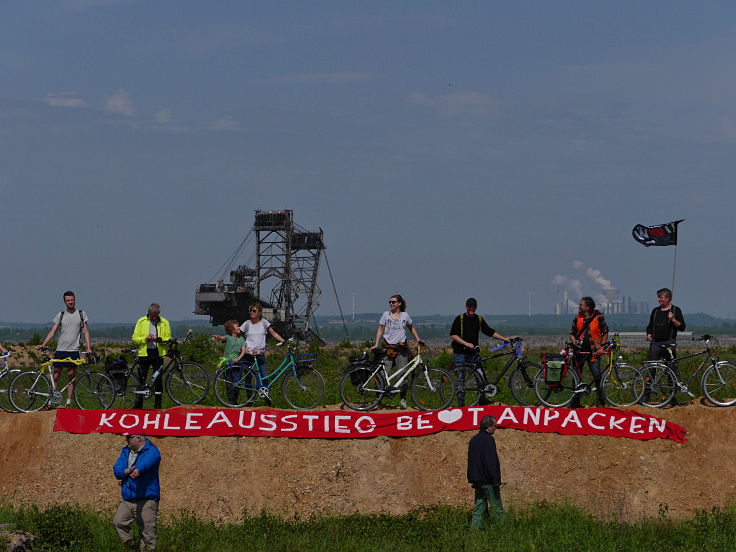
(395, 328)
(255, 334)
(70, 330)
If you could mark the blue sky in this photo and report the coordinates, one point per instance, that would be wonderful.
(446, 149)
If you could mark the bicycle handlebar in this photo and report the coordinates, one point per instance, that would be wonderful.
(704, 337)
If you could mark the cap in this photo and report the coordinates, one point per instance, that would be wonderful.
(471, 302)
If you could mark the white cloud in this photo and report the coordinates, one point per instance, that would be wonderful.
(457, 104)
(64, 99)
(163, 116)
(120, 103)
(339, 77)
(225, 123)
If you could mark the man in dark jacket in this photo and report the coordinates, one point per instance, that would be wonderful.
(664, 323)
(465, 334)
(137, 471)
(484, 472)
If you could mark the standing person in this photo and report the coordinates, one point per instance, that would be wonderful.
(150, 334)
(484, 472)
(72, 324)
(392, 326)
(256, 329)
(465, 336)
(589, 331)
(664, 323)
(234, 352)
(137, 472)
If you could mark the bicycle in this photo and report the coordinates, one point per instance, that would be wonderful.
(33, 390)
(718, 381)
(473, 385)
(302, 386)
(561, 379)
(365, 383)
(6, 375)
(623, 384)
(186, 382)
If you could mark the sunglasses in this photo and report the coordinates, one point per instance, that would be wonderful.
(393, 302)
(253, 310)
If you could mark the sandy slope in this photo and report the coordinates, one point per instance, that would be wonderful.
(219, 478)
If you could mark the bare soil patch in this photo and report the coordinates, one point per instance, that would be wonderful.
(219, 478)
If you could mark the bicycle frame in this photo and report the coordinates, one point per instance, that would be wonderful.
(517, 356)
(174, 357)
(4, 364)
(672, 363)
(269, 380)
(47, 367)
(399, 376)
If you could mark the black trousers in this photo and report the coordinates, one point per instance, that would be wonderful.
(144, 363)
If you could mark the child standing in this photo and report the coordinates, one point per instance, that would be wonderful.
(234, 353)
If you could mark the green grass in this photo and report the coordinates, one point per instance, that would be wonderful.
(542, 527)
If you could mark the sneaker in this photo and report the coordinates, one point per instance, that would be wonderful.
(402, 404)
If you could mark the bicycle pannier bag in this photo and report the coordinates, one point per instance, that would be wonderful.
(554, 367)
(117, 369)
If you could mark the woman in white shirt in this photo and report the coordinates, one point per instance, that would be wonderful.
(392, 327)
(255, 329)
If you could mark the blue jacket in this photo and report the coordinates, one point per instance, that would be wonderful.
(483, 464)
(146, 485)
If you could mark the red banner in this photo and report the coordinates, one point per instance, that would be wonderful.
(337, 424)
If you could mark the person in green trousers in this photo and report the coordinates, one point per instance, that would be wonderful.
(484, 473)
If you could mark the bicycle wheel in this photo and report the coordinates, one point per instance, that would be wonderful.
(235, 390)
(29, 391)
(362, 388)
(432, 388)
(94, 390)
(468, 387)
(623, 385)
(187, 383)
(719, 384)
(303, 388)
(660, 385)
(556, 393)
(521, 383)
(126, 385)
(5, 380)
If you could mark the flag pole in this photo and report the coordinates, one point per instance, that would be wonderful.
(674, 266)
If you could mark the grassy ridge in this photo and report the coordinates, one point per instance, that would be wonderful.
(542, 527)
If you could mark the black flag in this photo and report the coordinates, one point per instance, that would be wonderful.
(660, 235)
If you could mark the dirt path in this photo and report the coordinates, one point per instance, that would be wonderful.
(219, 478)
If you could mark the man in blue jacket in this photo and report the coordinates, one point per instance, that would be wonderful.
(484, 472)
(137, 472)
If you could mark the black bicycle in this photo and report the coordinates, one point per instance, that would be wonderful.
(186, 382)
(473, 386)
(664, 380)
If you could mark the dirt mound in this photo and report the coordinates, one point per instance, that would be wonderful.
(220, 478)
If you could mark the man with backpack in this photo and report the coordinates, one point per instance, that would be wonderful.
(465, 336)
(588, 333)
(71, 324)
